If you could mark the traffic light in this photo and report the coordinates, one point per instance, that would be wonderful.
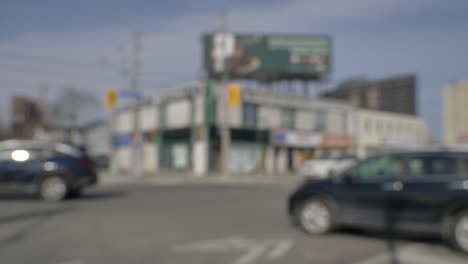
(233, 94)
(110, 98)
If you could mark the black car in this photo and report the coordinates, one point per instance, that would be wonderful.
(419, 192)
(55, 171)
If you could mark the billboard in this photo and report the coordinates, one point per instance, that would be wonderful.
(267, 57)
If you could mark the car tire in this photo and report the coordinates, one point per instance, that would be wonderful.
(459, 231)
(53, 188)
(315, 216)
(75, 193)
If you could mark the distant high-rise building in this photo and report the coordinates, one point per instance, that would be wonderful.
(26, 116)
(397, 94)
(455, 113)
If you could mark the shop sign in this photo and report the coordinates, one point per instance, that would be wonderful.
(463, 138)
(336, 141)
(296, 139)
(121, 140)
(389, 141)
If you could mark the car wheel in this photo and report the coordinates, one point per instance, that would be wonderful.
(75, 193)
(459, 232)
(53, 188)
(315, 216)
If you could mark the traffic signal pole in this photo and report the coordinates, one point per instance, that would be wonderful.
(137, 151)
(225, 122)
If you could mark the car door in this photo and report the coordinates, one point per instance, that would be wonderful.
(430, 183)
(33, 166)
(6, 173)
(364, 192)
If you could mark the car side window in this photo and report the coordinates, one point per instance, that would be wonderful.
(378, 169)
(431, 165)
(464, 166)
(39, 153)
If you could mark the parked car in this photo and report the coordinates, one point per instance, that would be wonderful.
(54, 171)
(324, 167)
(417, 192)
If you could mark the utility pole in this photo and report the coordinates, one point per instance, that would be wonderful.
(44, 99)
(123, 66)
(135, 85)
(225, 130)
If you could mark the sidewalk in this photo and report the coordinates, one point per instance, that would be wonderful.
(175, 178)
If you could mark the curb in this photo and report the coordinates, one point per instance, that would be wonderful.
(166, 181)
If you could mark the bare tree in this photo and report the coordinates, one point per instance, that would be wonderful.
(68, 109)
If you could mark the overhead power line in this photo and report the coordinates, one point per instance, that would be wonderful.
(46, 59)
(72, 75)
(62, 62)
(33, 85)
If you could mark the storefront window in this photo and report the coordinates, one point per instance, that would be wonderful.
(287, 118)
(175, 156)
(249, 115)
(245, 158)
(321, 121)
(367, 126)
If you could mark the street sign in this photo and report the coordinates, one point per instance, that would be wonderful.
(296, 138)
(130, 94)
(233, 94)
(223, 48)
(110, 98)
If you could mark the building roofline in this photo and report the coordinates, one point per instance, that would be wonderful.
(396, 114)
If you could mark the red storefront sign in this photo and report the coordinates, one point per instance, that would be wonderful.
(336, 141)
(463, 138)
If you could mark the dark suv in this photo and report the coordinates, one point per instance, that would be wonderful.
(55, 171)
(419, 192)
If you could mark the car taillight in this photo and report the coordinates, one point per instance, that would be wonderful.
(86, 162)
(301, 185)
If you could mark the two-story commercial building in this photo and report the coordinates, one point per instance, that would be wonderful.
(270, 133)
(378, 131)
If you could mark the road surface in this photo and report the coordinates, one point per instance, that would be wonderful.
(202, 223)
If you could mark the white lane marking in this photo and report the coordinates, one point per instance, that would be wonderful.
(414, 254)
(252, 254)
(252, 250)
(280, 249)
(214, 245)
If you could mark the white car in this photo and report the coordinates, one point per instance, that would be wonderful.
(326, 166)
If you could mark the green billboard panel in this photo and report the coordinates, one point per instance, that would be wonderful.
(268, 57)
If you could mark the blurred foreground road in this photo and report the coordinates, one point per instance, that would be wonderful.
(201, 223)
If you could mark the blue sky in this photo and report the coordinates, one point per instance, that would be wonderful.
(372, 38)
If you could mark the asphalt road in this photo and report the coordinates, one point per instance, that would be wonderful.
(202, 223)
